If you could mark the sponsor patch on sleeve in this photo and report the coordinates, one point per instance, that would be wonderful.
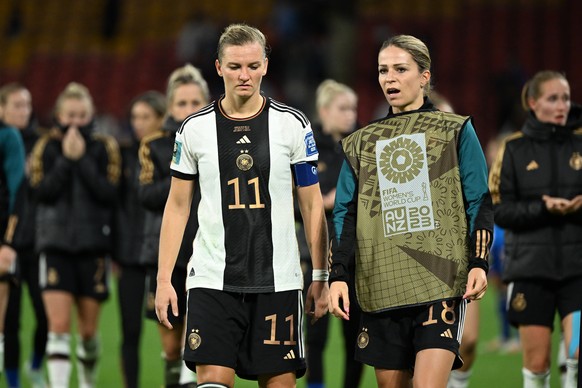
(177, 152)
(310, 147)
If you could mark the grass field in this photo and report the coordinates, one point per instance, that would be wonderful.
(492, 369)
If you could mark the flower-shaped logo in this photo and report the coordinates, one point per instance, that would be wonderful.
(401, 160)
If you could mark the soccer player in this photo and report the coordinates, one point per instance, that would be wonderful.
(412, 202)
(245, 305)
(536, 184)
(16, 111)
(187, 92)
(12, 162)
(74, 175)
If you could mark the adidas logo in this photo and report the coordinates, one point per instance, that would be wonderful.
(290, 355)
(244, 140)
(447, 333)
(192, 273)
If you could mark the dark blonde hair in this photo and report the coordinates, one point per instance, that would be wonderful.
(416, 48)
(238, 35)
(185, 75)
(7, 90)
(154, 100)
(533, 87)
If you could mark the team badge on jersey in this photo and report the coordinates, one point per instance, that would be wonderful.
(244, 162)
(519, 303)
(576, 161)
(194, 340)
(310, 147)
(363, 339)
(53, 276)
(177, 152)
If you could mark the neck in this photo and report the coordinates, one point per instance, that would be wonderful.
(238, 107)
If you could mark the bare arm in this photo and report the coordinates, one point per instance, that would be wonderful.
(311, 205)
(176, 215)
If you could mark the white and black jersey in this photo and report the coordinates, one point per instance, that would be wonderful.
(246, 241)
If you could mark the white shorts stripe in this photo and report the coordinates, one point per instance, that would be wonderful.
(42, 270)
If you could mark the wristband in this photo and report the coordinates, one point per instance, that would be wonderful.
(319, 275)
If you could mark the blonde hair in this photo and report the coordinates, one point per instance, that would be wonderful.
(328, 90)
(238, 35)
(416, 48)
(185, 75)
(75, 90)
(533, 87)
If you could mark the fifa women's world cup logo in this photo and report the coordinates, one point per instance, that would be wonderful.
(403, 179)
(401, 161)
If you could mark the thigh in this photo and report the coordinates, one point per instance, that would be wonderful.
(440, 326)
(432, 368)
(88, 310)
(274, 342)
(58, 305)
(531, 303)
(387, 378)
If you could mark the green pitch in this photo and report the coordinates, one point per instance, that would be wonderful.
(492, 368)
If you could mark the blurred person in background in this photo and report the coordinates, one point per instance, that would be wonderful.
(336, 106)
(12, 159)
(536, 184)
(16, 111)
(459, 378)
(412, 204)
(508, 340)
(187, 92)
(74, 175)
(147, 113)
(248, 152)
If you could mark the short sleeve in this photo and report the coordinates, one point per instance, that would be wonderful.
(183, 164)
(305, 149)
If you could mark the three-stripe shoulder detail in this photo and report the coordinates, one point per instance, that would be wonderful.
(207, 109)
(287, 109)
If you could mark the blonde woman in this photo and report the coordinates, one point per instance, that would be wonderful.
(75, 173)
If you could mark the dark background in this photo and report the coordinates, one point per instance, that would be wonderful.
(482, 50)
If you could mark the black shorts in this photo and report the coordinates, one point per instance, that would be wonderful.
(254, 334)
(391, 339)
(85, 275)
(179, 284)
(534, 302)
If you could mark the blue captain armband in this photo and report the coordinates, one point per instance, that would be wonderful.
(305, 174)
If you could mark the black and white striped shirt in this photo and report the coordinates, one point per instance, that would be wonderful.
(246, 241)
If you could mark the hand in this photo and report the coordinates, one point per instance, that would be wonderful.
(476, 284)
(556, 205)
(7, 258)
(339, 291)
(166, 296)
(574, 204)
(318, 292)
(73, 144)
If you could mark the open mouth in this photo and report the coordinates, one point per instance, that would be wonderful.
(392, 91)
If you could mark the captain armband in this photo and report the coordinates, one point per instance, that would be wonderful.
(305, 174)
(319, 275)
